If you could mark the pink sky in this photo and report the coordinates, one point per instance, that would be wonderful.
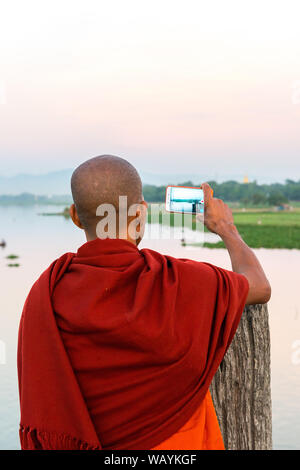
(173, 86)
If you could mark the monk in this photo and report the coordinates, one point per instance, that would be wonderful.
(118, 345)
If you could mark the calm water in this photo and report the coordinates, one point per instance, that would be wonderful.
(38, 240)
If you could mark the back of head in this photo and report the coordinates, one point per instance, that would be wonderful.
(101, 180)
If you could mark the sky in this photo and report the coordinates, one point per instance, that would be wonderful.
(173, 86)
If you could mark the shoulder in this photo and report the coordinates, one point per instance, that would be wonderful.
(190, 270)
(182, 265)
(52, 273)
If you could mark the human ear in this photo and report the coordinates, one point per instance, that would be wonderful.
(74, 216)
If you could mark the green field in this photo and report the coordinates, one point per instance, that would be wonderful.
(267, 229)
(288, 218)
(260, 228)
(267, 236)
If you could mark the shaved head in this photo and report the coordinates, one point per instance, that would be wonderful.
(101, 180)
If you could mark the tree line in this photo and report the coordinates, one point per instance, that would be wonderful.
(232, 191)
(252, 193)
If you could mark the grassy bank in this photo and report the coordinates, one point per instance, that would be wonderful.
(267, 229)
(259, 228)
(267, 236)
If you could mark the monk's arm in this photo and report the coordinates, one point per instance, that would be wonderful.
(218, 219)
(245, 262)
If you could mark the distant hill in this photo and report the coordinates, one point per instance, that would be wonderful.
(58, 182)
(28, 199)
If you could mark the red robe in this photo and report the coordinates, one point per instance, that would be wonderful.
(118, 346)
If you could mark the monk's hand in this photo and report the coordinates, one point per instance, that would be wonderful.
(217, 215)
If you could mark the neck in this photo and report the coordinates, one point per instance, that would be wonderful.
(90, 237)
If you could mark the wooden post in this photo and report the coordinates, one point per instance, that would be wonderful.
(241, 389)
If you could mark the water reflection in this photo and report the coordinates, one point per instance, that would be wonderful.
(38, 240)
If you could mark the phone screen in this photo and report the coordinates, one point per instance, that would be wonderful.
(182, 199)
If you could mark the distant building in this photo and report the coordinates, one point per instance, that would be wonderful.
(283, 207)
(246, 179)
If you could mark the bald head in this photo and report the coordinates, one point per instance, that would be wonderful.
(101, 180)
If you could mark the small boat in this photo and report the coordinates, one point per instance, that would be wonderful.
(3, 243)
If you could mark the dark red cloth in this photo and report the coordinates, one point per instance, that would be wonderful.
(118, 346)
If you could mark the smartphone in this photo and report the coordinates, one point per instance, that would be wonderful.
(184, 199)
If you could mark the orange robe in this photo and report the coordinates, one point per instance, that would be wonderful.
(201, 432)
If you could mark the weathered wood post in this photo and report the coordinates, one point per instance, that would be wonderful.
(241, 387)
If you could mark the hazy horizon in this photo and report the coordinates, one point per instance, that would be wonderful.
(194, 177)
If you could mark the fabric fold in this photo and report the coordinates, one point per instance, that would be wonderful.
(118, 346)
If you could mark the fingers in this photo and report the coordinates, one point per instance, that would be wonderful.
(208, 193)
